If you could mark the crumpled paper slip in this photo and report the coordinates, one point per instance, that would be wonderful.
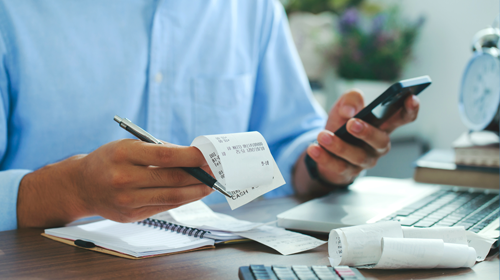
(197, 214)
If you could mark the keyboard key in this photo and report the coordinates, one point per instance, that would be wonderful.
(424, 224)
(465, 225)
(449, 208)
(452, 219)
(444, 224)
(404, 212)
(409, 221)
(417, 215)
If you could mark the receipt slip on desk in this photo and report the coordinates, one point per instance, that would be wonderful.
(25, 254)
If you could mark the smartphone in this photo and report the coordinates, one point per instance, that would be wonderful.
(385, 105)
(377, 112)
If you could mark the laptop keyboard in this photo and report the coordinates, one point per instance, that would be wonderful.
(473, 211)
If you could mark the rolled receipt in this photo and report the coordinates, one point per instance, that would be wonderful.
(242, 162)
(360, 245)
(405, 253)
(387, 245)
(457, 235)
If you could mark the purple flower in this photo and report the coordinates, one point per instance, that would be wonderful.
(349, 20)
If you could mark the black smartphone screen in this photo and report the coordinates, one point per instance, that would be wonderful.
(385, 105)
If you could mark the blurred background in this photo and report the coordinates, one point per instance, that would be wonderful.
(369, 44)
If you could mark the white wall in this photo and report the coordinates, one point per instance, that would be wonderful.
(442, 52)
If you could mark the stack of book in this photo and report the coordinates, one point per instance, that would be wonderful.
(479, 149)
(473, 161)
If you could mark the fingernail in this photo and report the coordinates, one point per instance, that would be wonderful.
(325, 138)
(348, 111)
(414, 101)
(357, 126)
(314, 151)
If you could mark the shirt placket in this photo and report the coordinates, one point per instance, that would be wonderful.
(158, 114)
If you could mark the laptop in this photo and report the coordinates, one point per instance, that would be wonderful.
(373, 199)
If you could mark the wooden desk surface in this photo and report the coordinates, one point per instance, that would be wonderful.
(26, 254)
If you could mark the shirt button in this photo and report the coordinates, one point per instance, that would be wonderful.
(158, 77)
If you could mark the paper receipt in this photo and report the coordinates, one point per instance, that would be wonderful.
(387, 245)
(198, 214)
(242, 162)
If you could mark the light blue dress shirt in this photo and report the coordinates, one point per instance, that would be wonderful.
(179, 69)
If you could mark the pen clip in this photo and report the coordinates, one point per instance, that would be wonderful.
(136, 130)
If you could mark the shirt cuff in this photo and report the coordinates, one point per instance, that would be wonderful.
(287, 159)
(9, 186)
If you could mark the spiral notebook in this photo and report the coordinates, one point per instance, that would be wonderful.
(147, 238)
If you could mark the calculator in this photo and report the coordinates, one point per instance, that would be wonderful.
(298, 272)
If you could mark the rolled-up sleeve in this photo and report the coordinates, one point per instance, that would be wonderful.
(284, 110)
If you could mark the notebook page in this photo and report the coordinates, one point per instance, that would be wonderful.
(130, 238)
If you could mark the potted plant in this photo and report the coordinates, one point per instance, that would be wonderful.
(366, 45)
(373, 47)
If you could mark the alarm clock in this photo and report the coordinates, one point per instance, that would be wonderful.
(479, 98)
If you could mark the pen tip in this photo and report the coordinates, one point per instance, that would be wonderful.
(117, 119)
(219, 187)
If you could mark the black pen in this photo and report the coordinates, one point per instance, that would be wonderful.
(196, 172)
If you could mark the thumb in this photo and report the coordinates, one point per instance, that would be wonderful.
(348, 105)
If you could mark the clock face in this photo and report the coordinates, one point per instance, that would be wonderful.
(480, 92)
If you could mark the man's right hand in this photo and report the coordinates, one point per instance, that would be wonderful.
(125, 180)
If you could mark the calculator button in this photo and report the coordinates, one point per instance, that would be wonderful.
(260, 272)
(287, 277)
(304, 272)
(299, 272)
(281, 266)
(284, 272)
(325, 273)
(262, 277)
(309, 276)
(257, 267)
(346, 273)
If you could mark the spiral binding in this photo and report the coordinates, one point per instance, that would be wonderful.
(190, 231)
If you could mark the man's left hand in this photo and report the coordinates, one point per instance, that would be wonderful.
(339, 162)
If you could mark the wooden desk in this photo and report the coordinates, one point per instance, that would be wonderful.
(26, 254)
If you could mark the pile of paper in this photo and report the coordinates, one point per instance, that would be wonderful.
(197, 214)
